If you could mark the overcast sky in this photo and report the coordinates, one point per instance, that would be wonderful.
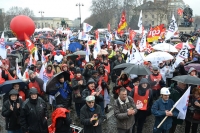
(67, 8)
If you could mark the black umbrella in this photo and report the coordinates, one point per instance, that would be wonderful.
(137, 70)
(51, 84)
(123, 65)
(8, 85)
(117, 42)
(187, 79)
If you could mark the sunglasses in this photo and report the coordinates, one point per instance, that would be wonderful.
(90, 102)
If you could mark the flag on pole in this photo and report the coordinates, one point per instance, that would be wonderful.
(173, 27)
(122, 24)
(140, 23)
(87, 27)
(43, 59)
(97, 46)
(3, 52)
(198, 45)
(143, 42)
(135, 56)
(182, 104)
(36, 54)
(58, 41)
(183, 54)
(30, 46)
(18, 71)
(87, 56)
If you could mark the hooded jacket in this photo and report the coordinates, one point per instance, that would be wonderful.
(142, 92)
(12, 117)
(32, 116)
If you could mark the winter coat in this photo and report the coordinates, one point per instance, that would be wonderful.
(32, 116)
(120, 111)
(86, 114)
(193, 110)
(87, 92)
(12, 117)
(176, 94)
(142, 92)
(78, 89)
(158, 110)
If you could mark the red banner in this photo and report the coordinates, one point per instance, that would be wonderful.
(29, 45)
(154, 33)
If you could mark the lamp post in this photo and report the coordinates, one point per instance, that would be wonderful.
(41, 12)
(79, 4)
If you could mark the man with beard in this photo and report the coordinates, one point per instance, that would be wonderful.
(142, 96)
(156, 82)
(33, 115)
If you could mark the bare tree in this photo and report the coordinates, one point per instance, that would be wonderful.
(15, 11)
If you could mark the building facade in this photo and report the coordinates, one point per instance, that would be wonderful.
(51, 22)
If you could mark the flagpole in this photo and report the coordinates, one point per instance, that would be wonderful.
(174, 106)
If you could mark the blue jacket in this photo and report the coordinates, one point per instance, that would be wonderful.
(158, 110)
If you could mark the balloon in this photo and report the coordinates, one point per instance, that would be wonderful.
(22, 24)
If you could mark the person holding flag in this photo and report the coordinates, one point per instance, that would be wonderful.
(160, 109)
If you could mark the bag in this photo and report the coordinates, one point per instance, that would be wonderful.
(196, 116)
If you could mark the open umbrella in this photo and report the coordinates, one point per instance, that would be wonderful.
(165, 47)
(7, 85)
(117, 42)
(79, 52)
(51, 84)
(194, 65)
(103, 52)
(123, 65)
(180, 45)
(158, 56)
(137, 70)
(187, 79)
(74, 46)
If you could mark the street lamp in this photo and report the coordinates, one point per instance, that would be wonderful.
(79, 4)
(41, 12)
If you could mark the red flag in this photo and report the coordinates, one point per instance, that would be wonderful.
(29, 45)
(108, 27)
(123, 24)
(132, 34)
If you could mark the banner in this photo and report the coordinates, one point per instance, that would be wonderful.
(154, 33)
(123, 24)
(87, 27)
(140, 23)
(142, 44)
(3, 53)
(172, 28)
(135, 56)
(30, 46)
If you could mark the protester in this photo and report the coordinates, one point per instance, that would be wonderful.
(78, 85)
(193, 112)
(124, 111)
(60, 121)
(143, 98)
(62, 93)
(34, 114)
(161, 108)
(176, 94)
(91, 116)
(11, 112)
(156, 82)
